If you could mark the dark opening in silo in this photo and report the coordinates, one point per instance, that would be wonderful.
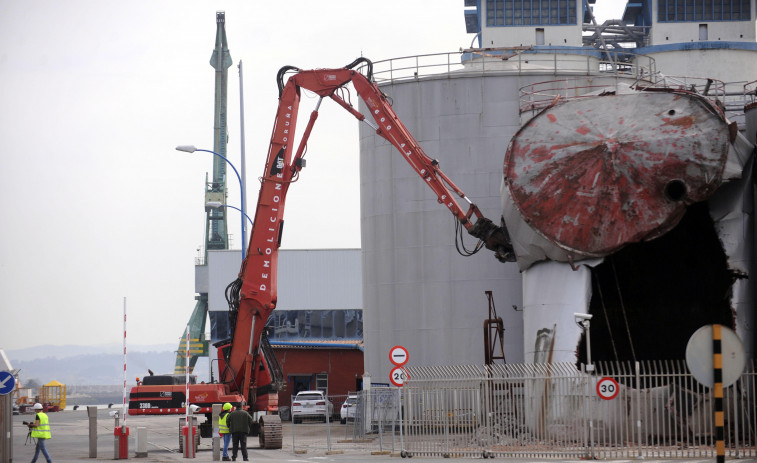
(649, 298)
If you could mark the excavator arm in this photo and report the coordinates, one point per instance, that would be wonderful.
(256, 285)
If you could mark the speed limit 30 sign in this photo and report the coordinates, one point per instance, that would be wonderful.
(607, 388)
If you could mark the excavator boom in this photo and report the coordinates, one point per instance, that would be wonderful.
(247, 367)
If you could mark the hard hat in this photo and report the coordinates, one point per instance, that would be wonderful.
(227, 406)
(37, 406)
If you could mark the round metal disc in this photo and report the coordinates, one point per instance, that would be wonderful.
(593, 174)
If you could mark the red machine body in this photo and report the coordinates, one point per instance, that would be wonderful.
(247, 369)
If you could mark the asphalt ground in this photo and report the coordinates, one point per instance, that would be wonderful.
(70, 443)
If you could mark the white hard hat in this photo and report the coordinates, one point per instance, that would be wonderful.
(37, 406)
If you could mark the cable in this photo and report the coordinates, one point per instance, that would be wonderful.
(232, 298)
(623, 308)
(460, 245)
(604, 310)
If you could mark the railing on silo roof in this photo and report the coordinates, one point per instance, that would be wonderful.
(532, 60)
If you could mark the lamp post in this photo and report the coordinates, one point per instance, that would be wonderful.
(192, 149)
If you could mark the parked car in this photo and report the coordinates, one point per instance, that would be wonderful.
(311, 404)
(348, 408)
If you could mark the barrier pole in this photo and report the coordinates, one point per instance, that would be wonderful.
(717, 363)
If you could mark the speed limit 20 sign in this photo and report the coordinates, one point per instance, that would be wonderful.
(397, 376)
(607, 388)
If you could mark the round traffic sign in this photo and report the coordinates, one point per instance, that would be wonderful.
(7, 382)
(699, 356)
(398, 355)
(607, 388)
(397, 376)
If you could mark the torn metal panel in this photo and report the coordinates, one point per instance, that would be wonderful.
(552, 293)
(585, 177)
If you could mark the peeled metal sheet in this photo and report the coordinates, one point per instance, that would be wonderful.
(594, 174)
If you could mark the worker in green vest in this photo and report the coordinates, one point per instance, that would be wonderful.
(223, 429)
(40, 431)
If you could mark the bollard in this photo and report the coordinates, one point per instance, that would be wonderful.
(121, 434)
(216, 439)
(141, 442)
(92, 414)
(189, 440)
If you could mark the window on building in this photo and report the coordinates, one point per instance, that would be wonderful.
(703, 10)
(316, 324)
(530, 12)
(703, 32)
(322, 382)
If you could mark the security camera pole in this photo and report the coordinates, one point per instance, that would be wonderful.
(583, 320)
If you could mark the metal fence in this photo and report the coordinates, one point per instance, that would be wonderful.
(374, 426)
(540, 411)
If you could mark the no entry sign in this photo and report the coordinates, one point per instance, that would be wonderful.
(607, 388)
(398, 355)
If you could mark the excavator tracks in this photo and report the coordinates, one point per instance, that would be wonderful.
(270, 434)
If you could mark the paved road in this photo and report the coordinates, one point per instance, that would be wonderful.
(70, 443)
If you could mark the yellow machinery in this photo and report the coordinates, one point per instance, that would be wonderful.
(53, 394)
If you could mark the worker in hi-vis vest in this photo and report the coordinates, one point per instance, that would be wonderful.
(40, 431)
(223, 430)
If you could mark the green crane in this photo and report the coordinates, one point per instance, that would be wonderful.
(216, 232)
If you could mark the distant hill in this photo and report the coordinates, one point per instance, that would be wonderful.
(95, 365)
(31, 353)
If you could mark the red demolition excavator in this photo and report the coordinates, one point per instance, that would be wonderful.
(247, 368)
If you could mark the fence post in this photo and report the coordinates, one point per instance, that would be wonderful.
(402, 420)
(735, 418)
(380, 427)
(328, 424)
(291, 414)
(638, 407)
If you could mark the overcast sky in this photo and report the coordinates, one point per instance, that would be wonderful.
(97, 205)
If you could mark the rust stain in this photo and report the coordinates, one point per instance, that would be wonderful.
(684, 121)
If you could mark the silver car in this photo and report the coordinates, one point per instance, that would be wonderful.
(311, 404)
(348, 408)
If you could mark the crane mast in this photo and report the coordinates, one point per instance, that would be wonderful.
(216, 231)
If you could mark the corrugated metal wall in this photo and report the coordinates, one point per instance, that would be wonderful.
(320, 279)
(418, 291)
(309, 279)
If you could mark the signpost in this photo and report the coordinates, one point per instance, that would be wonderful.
(607, 388)
(399, 356)
(7, 385)
(716, 358)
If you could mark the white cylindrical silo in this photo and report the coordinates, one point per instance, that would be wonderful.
(418, 291)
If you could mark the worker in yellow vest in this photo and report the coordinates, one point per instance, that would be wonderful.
(40, 431)
(223, 430)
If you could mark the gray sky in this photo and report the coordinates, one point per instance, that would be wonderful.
(94, 96)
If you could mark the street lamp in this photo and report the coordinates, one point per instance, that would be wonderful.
(192, 149)
(218, 204)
